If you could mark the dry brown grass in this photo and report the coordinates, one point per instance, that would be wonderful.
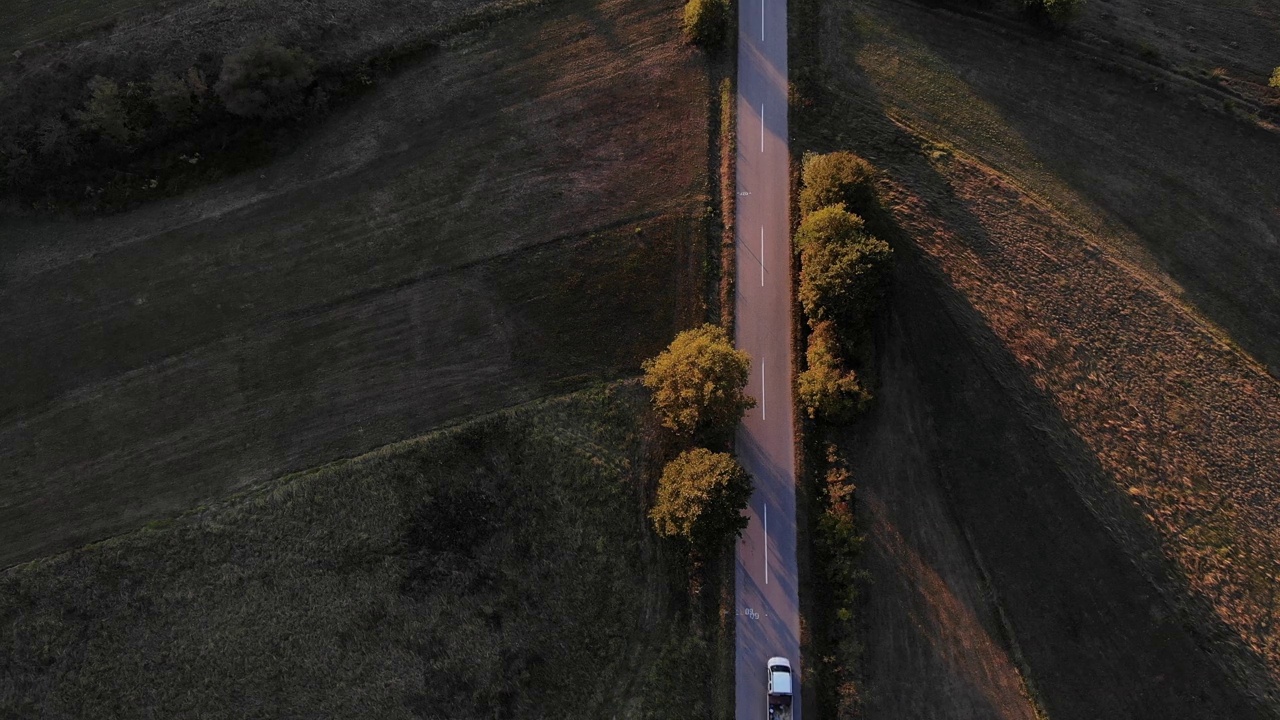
(1097, 226)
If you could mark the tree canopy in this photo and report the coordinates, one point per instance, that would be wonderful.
(701, 497)
(837, 178)
(843, 270)
(697, 382)
(826, 388)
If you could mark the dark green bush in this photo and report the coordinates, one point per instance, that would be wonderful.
(706, 22)
(838, 177)
(104, 114)
(843, 270)
(265, 80)
(172, 98)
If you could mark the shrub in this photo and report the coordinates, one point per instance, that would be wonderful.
(1275, 78)
(264, 80)
(843, 270)
(705, 22)
(826, 389)
(834, 178)
(701, 497)
(55, 140)
(697, 382)
(172, 97)
(104, 113)
(1053, 12)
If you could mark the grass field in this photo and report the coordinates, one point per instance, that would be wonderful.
(1105, 243)
(23, 22)
(168, 33)
(500, 568)
(399, 269)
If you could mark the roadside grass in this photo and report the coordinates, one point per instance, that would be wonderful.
(502, 567)
(398, 271)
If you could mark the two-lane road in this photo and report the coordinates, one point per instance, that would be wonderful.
(768, 608)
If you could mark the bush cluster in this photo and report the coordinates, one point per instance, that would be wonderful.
(837, 548)
(826, 389)
(843, 269)
(843, 276)
(1053, 12)
(1275, 78)
(835, 178)
(265, 80)
(117, 133)
(706, 23)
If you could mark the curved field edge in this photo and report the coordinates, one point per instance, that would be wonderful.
(502, 564)
(399, 271)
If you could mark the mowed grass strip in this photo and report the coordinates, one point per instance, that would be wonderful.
(503, 567)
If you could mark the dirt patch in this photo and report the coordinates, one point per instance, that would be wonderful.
(400, 269)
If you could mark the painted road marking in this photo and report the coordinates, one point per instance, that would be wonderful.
(761, 127)
(763, 405)
(751, 614)
(761, 256)
(766, 543)
(761, 20)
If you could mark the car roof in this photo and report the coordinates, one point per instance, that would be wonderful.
(776, 661)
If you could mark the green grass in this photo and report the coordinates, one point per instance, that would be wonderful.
(502, 567)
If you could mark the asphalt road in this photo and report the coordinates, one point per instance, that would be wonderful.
(768, 606)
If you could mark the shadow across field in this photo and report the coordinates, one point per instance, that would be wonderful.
(1008, 572)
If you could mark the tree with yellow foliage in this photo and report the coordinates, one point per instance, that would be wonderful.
(697, 383)
(700, 498)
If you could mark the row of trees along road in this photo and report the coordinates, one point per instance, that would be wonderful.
(697, 388)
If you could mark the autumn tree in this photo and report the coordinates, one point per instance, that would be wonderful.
(705, 22)
(700, 498)
(697, 383)
(835, 178)
(826, 389)
(843, 270)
